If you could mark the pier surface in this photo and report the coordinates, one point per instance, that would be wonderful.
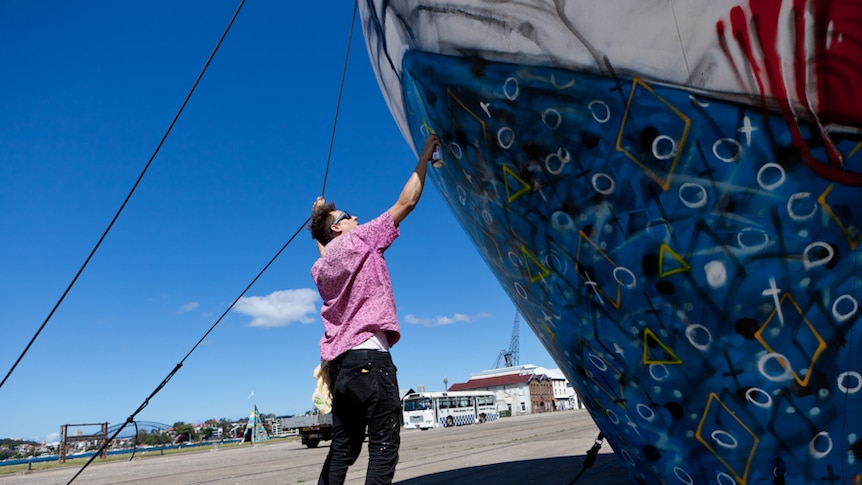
(541, 448)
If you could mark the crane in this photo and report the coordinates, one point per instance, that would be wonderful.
(510, 357)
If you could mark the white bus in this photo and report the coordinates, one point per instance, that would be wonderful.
(432, 409)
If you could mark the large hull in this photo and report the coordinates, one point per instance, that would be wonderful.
(670, 196)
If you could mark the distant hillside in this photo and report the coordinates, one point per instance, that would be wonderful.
(11, 443)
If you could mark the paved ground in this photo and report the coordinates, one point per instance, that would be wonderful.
(543, 449)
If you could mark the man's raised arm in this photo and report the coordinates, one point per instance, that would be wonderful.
(412, 190)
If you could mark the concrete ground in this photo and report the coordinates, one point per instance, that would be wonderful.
(541, 448)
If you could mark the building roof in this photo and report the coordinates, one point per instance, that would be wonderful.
(520, 369)
(504, 380)
(555, 374)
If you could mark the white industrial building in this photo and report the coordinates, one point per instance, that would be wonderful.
(524, 389)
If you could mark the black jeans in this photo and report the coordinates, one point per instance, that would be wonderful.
(364, 394)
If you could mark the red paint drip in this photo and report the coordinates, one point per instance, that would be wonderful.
(838, 30)
(836, 69)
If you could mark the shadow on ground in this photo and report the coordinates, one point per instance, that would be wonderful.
(607, 470)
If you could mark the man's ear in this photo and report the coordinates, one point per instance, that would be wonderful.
(336, 229)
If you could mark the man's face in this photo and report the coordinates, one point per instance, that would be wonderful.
(344, 222)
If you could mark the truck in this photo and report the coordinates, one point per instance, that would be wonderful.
(311, 427)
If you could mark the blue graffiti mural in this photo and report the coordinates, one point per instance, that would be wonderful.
(685, 266)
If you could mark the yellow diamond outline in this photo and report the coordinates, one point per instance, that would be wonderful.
(663, 183)
(784, 362)
(741, 479)
(457, 100)
(822, 201)
(510, 196)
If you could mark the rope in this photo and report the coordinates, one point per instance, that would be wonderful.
(128, 197)
(590, 460)
(131, 418)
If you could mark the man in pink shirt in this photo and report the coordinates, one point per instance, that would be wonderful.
(360, 326)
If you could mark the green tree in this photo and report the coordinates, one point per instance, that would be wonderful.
(187, 430)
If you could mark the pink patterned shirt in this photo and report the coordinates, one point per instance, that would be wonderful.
(354, 283)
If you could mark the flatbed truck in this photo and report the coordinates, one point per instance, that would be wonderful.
(312, 428)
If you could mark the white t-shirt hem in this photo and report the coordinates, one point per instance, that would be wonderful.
(378, 341)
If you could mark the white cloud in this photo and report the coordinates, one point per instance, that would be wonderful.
(441, 320)
(279, 308)
(187, 307)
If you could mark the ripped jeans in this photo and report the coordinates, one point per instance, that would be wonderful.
(364, 394)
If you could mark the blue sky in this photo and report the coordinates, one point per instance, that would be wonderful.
(87, 91)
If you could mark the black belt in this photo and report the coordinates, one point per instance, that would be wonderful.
(361, 353)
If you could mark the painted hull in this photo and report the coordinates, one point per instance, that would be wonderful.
(672, 203)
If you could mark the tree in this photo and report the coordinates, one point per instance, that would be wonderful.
(186, 430)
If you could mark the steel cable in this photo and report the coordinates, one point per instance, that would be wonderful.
(126, 200)
(131, 418)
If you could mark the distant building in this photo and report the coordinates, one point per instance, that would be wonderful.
(275, 426)
(25, 449)
(564, 393)
(524, 389)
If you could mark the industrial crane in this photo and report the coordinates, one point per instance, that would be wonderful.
(510, 357)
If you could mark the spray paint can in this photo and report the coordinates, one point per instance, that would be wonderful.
(437, 158)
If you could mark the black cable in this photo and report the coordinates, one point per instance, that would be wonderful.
(338, 104)
(165, 381)
(779, 471)
(134, 442)
(131, 418)
(590, 460)
(128, 197)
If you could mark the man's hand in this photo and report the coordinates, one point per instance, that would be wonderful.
(320, 201)
(431, 144)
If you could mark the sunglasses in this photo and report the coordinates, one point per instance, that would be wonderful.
(343, 215)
